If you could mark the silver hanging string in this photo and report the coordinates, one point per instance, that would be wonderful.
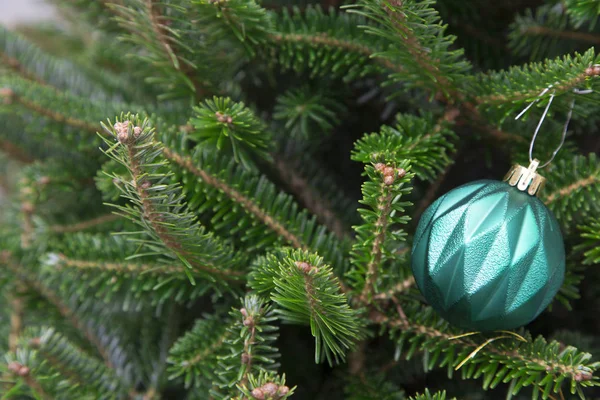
(544, 114)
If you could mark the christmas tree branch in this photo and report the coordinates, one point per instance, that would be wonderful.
(307, 292)
(393, 8)
(17, 310)
(533, 362)
(64, 262)
(383, 207)
(65, 311)
(10, 96)
(416, 40)
(399, 288)
(387, 181)
(528, 82)
(239, 198)
(323, 39)
(84, 225)
(22, 371)
(83, 372)
(572, 35)
(160, 206)
(161, 35)
(249, 345)
(424, 141)
(13, 151)
(573, 187)
(309, 197)
(17, 67)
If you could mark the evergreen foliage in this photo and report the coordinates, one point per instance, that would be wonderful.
(194, 192)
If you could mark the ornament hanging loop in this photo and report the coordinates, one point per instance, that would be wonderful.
(544, 114)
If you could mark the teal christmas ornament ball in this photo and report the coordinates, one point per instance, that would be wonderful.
(488, 256)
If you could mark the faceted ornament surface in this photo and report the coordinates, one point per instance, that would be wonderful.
(487, 256)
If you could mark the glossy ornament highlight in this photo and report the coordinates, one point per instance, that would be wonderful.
(488, 255)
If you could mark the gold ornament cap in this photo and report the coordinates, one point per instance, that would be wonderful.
(526, 179)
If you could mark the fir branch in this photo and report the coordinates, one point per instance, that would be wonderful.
(375, 237)
(590, 233)
(22, 371)
(308, 114)
(307, 293)
(195, 355)
(421, 55)
(249, 347)
(325, 44)
(18, 68)
(65, 311)
(400, 287)
(534, 362)
(14, 152)
(510, 89)
(309, 197)
(11, 97)
(84, 225)
(97, 263)
(247, 205)
(77, 367)
(160, 207)
(166, 30)
(572, 184)
(572, 35)
(419, 44)
(383, 207)
(239, 198)
(231, 127)
(322, 39)
(17, 309)
(423, 141)
(568, 190)
(63, 262)
(245, 21)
